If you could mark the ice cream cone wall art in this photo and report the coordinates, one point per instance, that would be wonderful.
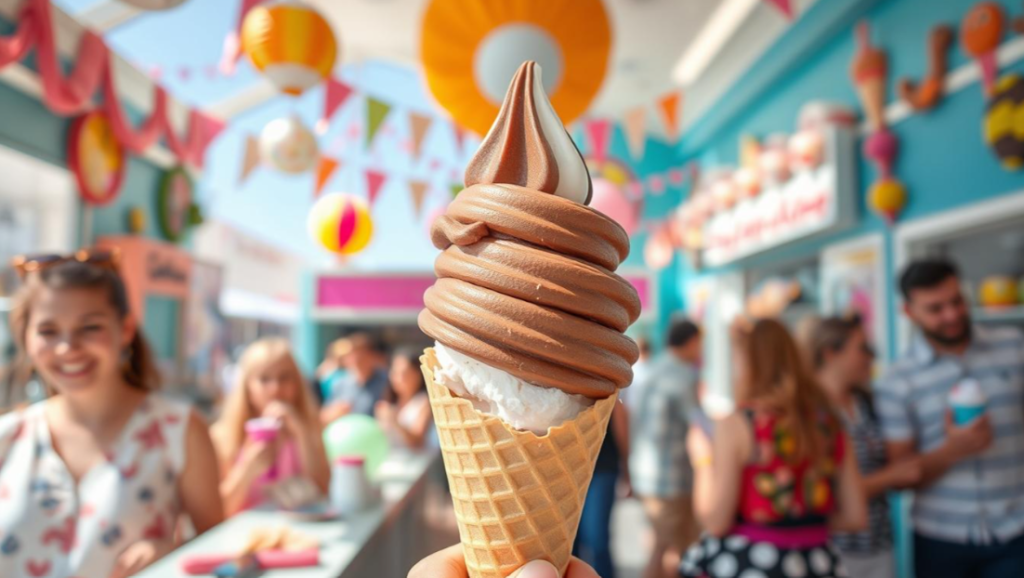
(469, 50)
(528, 317)
(870, 73)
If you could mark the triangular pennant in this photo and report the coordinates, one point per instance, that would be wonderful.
(209, 128)
(335, 95)
(418, 189)
(324, 169)
(669, 105)
(599, 133)
(376, 112)
(783, 6)
(250, 158)
(460, 137)
(636, 131)
(455, 189)
(419, 125)
(374, 183)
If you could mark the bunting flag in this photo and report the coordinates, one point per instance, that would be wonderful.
(419, 125)
(636, 131)
(676, 177)
(455, 189)
(783, 6)
(374, 183)
(250, 158)
(418, 189)
(376, 112)
(657, 184)
(460, 137)
(324, 169)
(599, 133)
(669, 106)
(335, 95)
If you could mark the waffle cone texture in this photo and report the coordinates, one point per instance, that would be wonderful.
(518, 496)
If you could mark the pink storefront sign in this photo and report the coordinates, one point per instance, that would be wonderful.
(401, 295)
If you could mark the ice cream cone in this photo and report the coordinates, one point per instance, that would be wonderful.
(518, 496)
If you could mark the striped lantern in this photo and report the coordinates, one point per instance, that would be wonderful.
(341, 223)
(290, 43)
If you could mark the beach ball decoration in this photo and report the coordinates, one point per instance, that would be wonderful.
(290, 43)
(341, 223)
(470, 52)
(288, 146)
(1003, 124)
(154, 4)
(96, 158)
(612, 201)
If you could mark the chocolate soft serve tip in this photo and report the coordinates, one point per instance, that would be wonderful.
(525, 277)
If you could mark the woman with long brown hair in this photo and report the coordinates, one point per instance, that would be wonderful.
(94, 479)
(777, 473)
(842, 359)
(269, 430)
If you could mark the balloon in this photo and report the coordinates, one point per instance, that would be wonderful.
(610, 200)
(357, 435)
(341, 223)
(291, 44)
(288, 146)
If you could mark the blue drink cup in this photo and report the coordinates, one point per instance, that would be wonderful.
(965, 414)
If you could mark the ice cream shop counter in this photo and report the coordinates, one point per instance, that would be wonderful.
(384, 539)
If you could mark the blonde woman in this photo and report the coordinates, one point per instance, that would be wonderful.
(257, 453)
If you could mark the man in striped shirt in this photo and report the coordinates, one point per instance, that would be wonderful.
(968, 512)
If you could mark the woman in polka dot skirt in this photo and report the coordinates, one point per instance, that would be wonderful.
(781, 475)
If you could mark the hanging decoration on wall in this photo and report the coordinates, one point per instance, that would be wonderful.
(154, 4)
(932, 88)
(176, 208)
(599, 134)
(1003, 125)
(95, 158)
(980, 35)
(288, 146)
(469, 56)
(670, 107)
(870, 70)
(290, 43)
(341, 223)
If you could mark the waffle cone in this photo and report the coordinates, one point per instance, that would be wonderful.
(518, 496)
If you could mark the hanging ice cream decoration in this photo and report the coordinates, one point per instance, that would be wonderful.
(980, 34)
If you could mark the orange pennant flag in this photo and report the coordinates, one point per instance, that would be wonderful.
(324, 169)
(670, 112)
(419, 192)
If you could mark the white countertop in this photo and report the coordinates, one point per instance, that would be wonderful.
(340, 540)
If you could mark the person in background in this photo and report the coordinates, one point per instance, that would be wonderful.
(593, 540)
(778, 473)
(659, 470)
(330, 369)
(640, 368)
(362, 385)
(269, 385)
(93, 479)
(404, 410)
(968, 512)
(842, 360)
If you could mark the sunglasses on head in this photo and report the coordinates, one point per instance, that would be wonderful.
(108, 259)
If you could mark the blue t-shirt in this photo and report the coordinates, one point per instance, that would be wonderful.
(343, 386)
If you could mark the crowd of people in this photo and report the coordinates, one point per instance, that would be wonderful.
(105, 476)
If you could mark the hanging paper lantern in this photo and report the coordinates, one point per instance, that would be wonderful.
(470, 52)
(154, 4)
(288, 146)
(1004, 122)
(887, 198)
(341, 223)
(611, 200)
(291, 44)
(96, 158)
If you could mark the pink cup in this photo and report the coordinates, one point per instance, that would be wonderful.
(262, 429)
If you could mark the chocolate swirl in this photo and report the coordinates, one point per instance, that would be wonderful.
(525, 277)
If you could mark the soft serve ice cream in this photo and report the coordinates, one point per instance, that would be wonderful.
(527, 312)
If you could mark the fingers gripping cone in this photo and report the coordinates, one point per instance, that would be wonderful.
(518, 496)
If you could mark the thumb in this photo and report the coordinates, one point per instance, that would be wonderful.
(536, 569)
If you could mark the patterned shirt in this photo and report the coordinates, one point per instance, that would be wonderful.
(980, 499)
(50, 526)
(865, 435)
(658, 464)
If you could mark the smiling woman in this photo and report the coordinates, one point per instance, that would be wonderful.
(104, 446)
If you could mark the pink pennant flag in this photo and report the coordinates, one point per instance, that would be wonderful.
(599, 132)
(208, 128)
(335, 95)
(676, 177)
(783, 6)
(232, 49)
(374, 183)
(635, 124)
